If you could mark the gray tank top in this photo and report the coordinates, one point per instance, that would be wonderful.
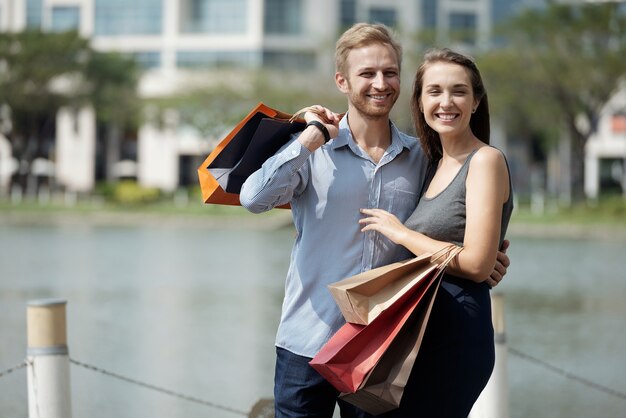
(442, 217)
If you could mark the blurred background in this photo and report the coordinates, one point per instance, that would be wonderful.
(108, 108)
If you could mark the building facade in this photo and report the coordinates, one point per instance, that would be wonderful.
(605, 151)
(173, 39)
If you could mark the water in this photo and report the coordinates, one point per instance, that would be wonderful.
(195, 310)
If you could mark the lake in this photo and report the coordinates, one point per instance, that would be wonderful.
(194, 310)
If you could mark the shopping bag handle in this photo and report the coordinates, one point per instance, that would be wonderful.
(452, 251)
(444, 251)
(313, 109)
(449, 252)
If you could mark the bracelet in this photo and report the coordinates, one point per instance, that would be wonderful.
(321, 127)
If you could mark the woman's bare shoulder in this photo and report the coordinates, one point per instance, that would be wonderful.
(490, 158)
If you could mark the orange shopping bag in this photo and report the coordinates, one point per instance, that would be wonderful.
(256, 138)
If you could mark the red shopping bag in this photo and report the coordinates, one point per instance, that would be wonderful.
(383, 388)
(353, 351)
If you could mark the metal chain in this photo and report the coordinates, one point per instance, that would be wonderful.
(513, 351)
(13, 369)
(159, 389)
(567, 375)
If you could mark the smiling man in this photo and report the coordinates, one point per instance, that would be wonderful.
(368, 163)
(335, 167)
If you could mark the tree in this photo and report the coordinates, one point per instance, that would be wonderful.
(216, 106)
(558, 68)
(31, 67)
(42, 72)
(111, 81)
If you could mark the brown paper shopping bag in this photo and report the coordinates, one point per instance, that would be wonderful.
(383, 388)
(251, 142)
(364, 296)
(354, 350)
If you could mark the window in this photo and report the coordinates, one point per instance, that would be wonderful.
(429, 13)
(462, 21)
(347, 13)
(214, 16)
(611, 173)
(33, 14)
(148, 59)
(283, 17)
(618, 123)
(385, 16)
(65, 18)
(289, 60)
(463, 26)
(122, 17)
(213, 59)
(501, 10)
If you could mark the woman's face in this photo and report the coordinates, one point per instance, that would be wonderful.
(447, 98)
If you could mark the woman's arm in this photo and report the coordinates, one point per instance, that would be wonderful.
(487, 188)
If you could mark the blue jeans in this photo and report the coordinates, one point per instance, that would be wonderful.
(300, 391)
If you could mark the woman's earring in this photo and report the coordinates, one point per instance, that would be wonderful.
(474, 110)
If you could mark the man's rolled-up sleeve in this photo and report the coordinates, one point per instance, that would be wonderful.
(280, 178)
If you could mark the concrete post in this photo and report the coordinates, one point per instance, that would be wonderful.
(48, 360)
(494, 400)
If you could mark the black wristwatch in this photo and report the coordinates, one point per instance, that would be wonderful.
(319, 125)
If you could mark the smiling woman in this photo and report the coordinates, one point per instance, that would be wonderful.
(447, 100)
(467, 202)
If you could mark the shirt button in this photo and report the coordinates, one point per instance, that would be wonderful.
(294, 152)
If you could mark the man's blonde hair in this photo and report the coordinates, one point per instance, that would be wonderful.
(364, 34)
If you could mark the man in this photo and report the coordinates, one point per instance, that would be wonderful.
(368, 163)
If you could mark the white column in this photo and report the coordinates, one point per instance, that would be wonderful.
(76, 149)
(624, 177)
(13, 15)
(483, 24)
(565, 163)
(8, 165)
(48, 360)
(592, 174)
(157, 154)
(87, 18)
(171, 30)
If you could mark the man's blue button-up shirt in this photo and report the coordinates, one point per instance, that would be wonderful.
(326, 190)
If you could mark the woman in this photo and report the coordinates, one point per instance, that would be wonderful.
(468, 202)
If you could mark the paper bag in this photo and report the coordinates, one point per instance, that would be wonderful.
(382, 389)
(256, 138)
(353, 351)
(364, 296)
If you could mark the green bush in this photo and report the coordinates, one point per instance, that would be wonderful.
(128, 192)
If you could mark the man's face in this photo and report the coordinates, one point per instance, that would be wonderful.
(372, 82)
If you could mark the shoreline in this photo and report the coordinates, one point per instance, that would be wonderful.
(273, 220)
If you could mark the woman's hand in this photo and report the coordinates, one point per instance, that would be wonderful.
(502, 263)
(384, 222)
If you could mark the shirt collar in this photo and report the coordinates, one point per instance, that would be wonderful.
(399, 141)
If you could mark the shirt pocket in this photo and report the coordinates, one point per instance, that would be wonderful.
(404, 200)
